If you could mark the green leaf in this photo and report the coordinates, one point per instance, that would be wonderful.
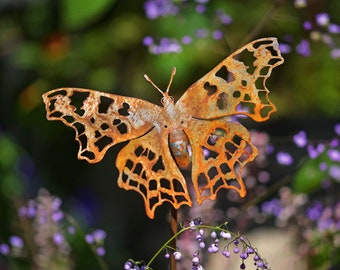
(308, 179)
(78, 13)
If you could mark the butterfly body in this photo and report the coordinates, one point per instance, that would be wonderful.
(160, 136)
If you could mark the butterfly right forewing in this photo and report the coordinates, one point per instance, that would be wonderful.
(237, 85)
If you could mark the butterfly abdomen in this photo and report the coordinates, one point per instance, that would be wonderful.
(179, 143)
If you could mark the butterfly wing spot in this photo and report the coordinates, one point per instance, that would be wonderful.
(159, 165)
(224, 167)
(69, 119)
(211, 89)
(122, 128)
(165, 183)
(222, 101)
(124, 111)
(208, 153)
(138, 169)
(225, 74)
(248, 60)
(104, 126)
(104, 104)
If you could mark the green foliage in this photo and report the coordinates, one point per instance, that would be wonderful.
(309, 177)
(79, 13)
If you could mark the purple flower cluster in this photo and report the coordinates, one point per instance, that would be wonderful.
(155, 9)
(222, 240)
(50, 245)
(219, 241)
(96, 240)
(15, 248)
(319, 29)
(325, 218)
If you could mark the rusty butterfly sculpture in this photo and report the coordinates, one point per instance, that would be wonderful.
(164, 139)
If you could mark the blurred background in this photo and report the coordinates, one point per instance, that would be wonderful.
(109, 45)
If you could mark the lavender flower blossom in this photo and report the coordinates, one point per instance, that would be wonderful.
(284, 158)
(300, 139)
(303, 48)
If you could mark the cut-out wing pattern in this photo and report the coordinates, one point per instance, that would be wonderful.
(220, 150)
(236, 85)
(161, 137)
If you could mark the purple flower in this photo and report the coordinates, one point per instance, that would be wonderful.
(307, 25)
(272, 207)
(285, 48)
(4, 249)
(322, 19)
(334, 154)
(186, 40)
(334, 28)
(56, 204)
(334, 143)
(147, 41)
(337, 127)
(157, 8)
(217, 34)
(99, 235)
(315, 212)
(57, 216)
(303, 48)
(284, 158)
(16, 241)
(166, 45)
(314, 152)
(335, 53)
(100, 251)
(201, 8)
(71, 230)
(323, 166)
(324, 224)
(334, 172)
(58, 238)
(300, 139)
(223, 17)
(201, 33)
(89, 238)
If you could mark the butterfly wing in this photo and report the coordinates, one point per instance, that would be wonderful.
(220, 150)
(235, 86)
(146, 166)
(100, 119)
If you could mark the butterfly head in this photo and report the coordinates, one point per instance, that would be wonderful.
(166, 99)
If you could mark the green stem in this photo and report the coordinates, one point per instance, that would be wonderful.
(167, 243)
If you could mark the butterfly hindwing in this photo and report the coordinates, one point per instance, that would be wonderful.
(236, 85)
(220, 150)
(146, 166)
(100, 119)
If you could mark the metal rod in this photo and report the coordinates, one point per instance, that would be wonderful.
(173, 226)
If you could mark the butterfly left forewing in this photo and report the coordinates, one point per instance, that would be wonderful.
(220, 150)
(236, 85)
(100, 119)
(146, 166)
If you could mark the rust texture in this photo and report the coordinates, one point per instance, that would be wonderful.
(163, 139)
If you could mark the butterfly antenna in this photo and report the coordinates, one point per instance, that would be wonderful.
(147, 78)
(173, 72)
